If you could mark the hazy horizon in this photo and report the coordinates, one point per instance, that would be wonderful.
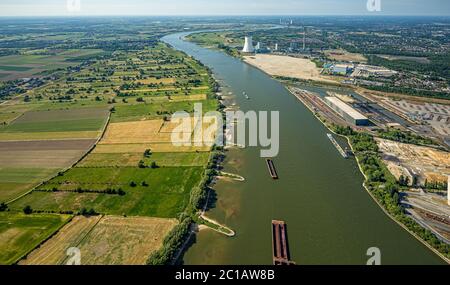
(42, 8)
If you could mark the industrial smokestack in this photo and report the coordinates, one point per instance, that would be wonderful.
(304, 38)
(248, 46)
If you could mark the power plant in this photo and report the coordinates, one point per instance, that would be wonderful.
(248, 46)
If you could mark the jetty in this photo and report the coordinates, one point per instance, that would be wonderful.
(272, 171)
(280, 246)
(339, 148)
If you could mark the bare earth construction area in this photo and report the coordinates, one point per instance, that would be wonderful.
(409, 160)
(280, 65)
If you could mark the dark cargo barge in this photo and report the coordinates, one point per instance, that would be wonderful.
(272, 171)
(280, 246)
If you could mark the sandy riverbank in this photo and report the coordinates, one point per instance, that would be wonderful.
(280, 65)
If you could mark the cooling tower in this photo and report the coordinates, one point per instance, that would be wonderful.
(248, 46)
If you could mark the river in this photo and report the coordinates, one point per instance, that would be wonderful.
(330, 217)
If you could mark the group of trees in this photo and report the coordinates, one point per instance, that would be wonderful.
(88, 213)
(109, 191)
(364, 142)
(27, 210)
(153, 164)
(11, 88)
(409, 91)
(172, 243)
(404, 137)
(3, 207)
(404, 181)
(435, 185)
(438, 67)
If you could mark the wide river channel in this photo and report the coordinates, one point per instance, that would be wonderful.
(330, 217)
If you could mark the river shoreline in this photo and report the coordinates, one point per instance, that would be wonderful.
(368, 190)
(317, 218)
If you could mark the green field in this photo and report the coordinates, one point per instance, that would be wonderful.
(165, 179)
(179, 158)
(131, 84)
(6, 118)
(19, 233)
(166, 159)
(15, 181)
(14, 68)
(166, 195)
(138, 112)
(81, 119)
(28, 65)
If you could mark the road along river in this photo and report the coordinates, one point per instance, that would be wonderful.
(330, 217)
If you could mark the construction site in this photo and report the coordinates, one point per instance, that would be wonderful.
(418, 163)
(418, 167)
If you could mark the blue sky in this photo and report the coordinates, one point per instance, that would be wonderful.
(221, 7)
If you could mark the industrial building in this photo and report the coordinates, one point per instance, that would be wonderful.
(347, 112)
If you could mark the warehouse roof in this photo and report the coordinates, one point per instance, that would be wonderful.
(346, 108)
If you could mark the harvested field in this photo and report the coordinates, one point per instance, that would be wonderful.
(106, 240)
(37, 158)
(119, 240)
(53, 252)
(279, 65)
(135, 132)
(33, 136)
(20, 233)
(155, 80)
(193, 97)
(24, 164)
(140, 148)
(153, 131)
(111, 160)
(47, 145)
(342, 55)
